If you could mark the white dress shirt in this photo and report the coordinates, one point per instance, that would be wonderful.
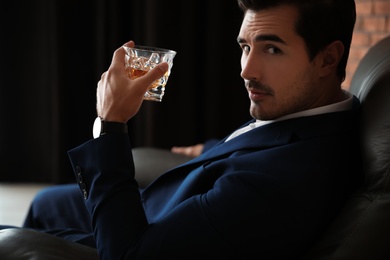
(335, 107)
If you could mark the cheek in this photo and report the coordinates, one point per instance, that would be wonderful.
(281, 78)
(287, 73)
(293, 84)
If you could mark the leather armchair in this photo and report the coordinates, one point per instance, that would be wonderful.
(360, 231)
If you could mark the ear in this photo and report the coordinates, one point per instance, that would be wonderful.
(330, 58)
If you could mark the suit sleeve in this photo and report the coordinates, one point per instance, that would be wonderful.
(104, 170)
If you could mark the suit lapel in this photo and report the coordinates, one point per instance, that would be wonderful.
(274, 134)
(259, 138)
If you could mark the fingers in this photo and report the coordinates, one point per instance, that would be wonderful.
(118, 58)
(187, 151)
(191, 151)
(154, 74)
(129, 44)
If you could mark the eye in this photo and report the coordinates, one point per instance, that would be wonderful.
(271, 49)
(245, 48)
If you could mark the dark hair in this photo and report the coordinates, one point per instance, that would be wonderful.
(320, 23)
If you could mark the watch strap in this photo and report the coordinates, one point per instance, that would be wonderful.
(101, 127)
(113, 128)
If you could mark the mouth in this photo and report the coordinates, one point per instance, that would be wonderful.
(258, 92)
(258, 95)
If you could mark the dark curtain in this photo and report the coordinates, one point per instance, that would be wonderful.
(53, 53)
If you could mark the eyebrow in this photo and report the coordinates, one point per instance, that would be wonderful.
(264, 37)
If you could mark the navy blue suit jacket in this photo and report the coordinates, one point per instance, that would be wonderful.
(267, 194)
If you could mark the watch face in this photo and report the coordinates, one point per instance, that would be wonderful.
(97, 127)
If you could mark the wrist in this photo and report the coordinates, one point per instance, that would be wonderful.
(102, 127)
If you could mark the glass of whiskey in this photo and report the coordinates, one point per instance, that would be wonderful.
(140, 59)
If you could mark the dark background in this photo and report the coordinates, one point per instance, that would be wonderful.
(53, 53)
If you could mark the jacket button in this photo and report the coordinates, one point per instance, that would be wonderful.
(82, 185)
(80, 178)
(85, 194)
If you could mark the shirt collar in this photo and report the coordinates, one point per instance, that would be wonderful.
(335, 107)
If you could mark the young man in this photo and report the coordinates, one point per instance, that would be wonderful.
(265, 192)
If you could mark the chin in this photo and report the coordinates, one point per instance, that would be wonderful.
(256, 112)
(259, 114)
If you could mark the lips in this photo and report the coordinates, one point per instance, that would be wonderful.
(257, 95)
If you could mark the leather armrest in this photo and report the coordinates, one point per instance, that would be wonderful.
(23, 244)
(152, 162)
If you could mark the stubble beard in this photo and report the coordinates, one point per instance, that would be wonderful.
(300, 97)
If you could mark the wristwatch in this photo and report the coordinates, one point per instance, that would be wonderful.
(101, 127)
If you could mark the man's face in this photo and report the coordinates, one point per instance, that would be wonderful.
(278, 74)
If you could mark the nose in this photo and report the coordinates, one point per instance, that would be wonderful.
(250, 67)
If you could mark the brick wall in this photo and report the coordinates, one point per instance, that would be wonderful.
(372, 25)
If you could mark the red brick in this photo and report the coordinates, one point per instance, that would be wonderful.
(361, 38)
(347, 82)
(388, 25)
(381, 7)
(359, 23)
(352, 66)
(374, 23)
(364, 7)
(350, 71)
(376, 37)
(357, 53)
